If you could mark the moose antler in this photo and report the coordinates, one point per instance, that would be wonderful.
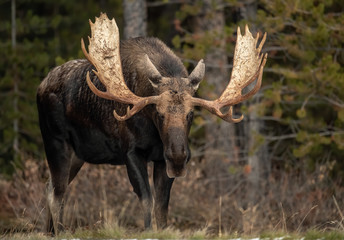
(104, 55)
(248, 65)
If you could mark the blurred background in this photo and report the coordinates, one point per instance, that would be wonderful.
(280, 169)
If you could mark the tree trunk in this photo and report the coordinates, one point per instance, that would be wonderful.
(135, 18)
(15, 83)
(220, 136)
(257, 156)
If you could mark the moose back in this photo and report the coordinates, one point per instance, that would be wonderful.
(130, 103)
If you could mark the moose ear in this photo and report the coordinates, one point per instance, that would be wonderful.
(152, 73)
(197, 75)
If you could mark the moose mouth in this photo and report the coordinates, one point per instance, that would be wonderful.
(174, 171)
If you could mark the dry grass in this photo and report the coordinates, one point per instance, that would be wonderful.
(211, 198)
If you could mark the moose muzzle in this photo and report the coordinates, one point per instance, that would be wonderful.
(176, 153)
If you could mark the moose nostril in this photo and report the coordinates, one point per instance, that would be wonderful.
(180, 157)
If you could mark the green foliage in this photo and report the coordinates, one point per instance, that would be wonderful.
(47, 34)
(302, 83)
(195, 44)
(308, 63)
(303, 79)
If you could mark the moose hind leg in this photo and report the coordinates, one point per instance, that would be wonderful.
(56, 190)
(59, 157)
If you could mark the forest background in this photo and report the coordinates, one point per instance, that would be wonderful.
(281, 168)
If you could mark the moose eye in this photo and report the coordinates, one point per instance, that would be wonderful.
(160, 116)
(190, 115)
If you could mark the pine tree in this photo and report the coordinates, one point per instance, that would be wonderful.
(47, 34)
(306, 72)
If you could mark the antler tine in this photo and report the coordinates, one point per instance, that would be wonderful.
(256, 39)
(214, 108)
(247, 30)
(238, 31)
(95, 90)
(104, 55)
(130, 112)
(229, 116)
(248, 66)
(124, 117)
(261, 42)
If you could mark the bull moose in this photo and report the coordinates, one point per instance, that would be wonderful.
(129, 103)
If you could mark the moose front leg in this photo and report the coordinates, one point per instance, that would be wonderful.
(162, 187)
(138, 176)
(55, 210)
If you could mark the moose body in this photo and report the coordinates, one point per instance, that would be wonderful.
(77, 126)
(129, 105)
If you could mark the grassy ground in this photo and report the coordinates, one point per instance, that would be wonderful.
(209, 198)
(117, 232)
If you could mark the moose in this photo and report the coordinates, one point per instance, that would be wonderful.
(129, 103)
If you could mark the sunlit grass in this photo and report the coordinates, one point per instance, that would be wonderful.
(22, 236)
(117, 232)
(330, 235)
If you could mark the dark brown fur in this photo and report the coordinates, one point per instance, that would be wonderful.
(77, 126)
